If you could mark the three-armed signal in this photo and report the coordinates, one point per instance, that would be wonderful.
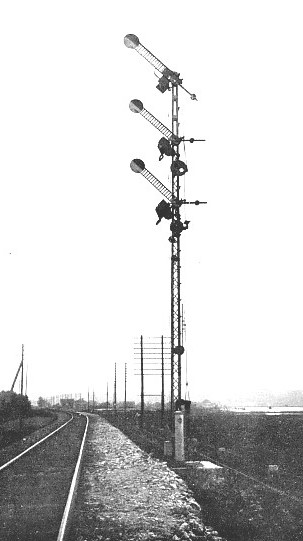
(167, 76)
(170, 207)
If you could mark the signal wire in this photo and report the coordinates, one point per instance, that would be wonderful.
(257, 481)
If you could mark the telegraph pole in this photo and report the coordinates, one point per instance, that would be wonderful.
(26, 375)
(115, 389)
(162, 380)
(22, 369)
(125, 382)
(22, 376)
(142, 382)
(153, 357)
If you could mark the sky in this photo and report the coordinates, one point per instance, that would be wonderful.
(84, 270)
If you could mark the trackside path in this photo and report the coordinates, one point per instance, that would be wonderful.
(125, 494)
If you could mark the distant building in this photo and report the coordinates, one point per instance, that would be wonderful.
(205, 404)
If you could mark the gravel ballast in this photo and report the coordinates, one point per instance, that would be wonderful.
(125, 494)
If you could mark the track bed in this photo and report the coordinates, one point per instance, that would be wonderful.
(34, 489)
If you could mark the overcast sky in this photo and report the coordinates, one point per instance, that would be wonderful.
(84, 269)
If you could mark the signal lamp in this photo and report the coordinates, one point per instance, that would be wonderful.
(178, 168)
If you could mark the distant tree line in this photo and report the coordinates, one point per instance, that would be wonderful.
(13, 405)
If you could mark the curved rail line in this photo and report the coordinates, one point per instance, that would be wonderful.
(66, 517)
(34, 445)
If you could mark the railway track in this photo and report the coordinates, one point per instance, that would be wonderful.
(38, 486)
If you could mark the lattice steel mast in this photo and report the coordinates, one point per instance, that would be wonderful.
(170, 209)
(176, 226)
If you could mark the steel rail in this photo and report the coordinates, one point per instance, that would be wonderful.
(34, 445)
(73, 488)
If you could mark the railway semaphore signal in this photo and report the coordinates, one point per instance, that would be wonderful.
(168, 208)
